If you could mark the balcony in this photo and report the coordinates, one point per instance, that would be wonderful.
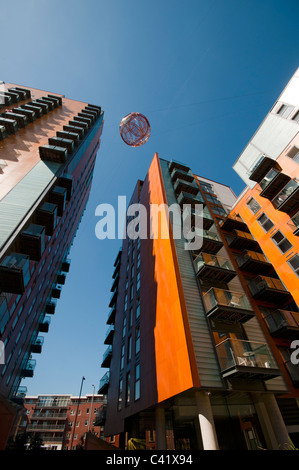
(182, 175)
(91, 111)
(44, 325)
(69, 136)
(42, 415)
(107, 357)
(178, 165)
(32, 241)
(109, 335)
(28, 113)
(68, 144)
(283, 324)
(36, 347)
(111, 316)
(104, 384)
(36, 109)
(43, 106)
(211, 243)
(28, 370)
(261, 168)
(227, 305)
(115, 282)
(84, 120)
(58, 196)
(233, 222)
(74, 130)
(53, 153)
(25, 91)
(113, 299)
(47, 216)
(243, 241)
(269, 289)
(65, 265)
(10, 125)
(245, 359)
(33, 427)
(210, 266)
(50, 307)
(56, 292)
(48, 105)
(87, 115)
(57, 98)
(187, 198)
(294, 223)
(272, 183)
(22, 120)
(60, 279)
(293, 372)
(254, 262)
(14, 273)
(100, 418)
(184, 186)
(288, 199)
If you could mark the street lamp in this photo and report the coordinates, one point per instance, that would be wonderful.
(83, 378)
(91, 407)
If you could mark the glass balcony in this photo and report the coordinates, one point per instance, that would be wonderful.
(55, 415)
(211, 242)
(269, 289)
(178, 165)
(245, 359)
(227, 305)
(214, 267)
(272, 183)
(83, 119)
(14, 273)
(28, 370)
(109, 335)
(65, 265)
(32, 241)
(50, 307)
(107, 357)
(288, 199)
(184, 186)
(243, 241)
(207, 220)
(294, 223)
(34, 427)
(53, 153)
(44, 325)
(66, 182)
(47, 216)
(111, 316)
(187, 198)
(74, 130)
(254, 262)
(283, 324)
(261, 168)
(104, 384)
(68, 144)
(36, 347)
(232, 222)
(58, 196)
(182, 175)
(113, 298)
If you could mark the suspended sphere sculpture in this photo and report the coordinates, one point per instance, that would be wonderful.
(135, 129)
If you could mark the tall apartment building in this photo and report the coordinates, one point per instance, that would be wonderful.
(62, 421)
(187, 353)
(48, 151)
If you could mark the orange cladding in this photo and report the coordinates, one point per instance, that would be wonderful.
(172, 335)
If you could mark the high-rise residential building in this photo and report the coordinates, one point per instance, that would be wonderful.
(62, 421)
(199, 344)
(48, 151)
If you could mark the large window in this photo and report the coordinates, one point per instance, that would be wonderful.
(265, 222)
(281, 241)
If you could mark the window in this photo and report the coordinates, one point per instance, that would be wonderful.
(137, 340)
(137, 381)
(218, 210)
(265, 222)
(128, 388)
(281, 241)
(124, 326)
(294, 154)
(138, 310)
(120, 391)
(294, 263)
(253, 205)
(129, 348)
(122, 357)
(285, 110)
(138, 281)
(296, 117)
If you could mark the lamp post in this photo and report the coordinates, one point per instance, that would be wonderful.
(91, 408)
(83, 378)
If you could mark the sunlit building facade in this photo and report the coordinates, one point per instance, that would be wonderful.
(48, 151)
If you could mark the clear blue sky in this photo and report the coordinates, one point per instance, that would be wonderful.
(205, 73)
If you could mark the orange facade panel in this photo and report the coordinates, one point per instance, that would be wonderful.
(175, 367)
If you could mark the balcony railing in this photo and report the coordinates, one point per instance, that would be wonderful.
(14, 273)
(244, 359)
(232, 222)
(272, 183)
(111, 316)
(215, 267)
(211, 243)
(205, 217)
(227, 305)
(261, 168)
(107, 357)
(288, 199)
(294, 223)
(269, 289)
(283, 324)
(243, 241)
(109, 335)
(104, 383)
(183, 185)
(183, 175)
(254, 262)
(48, 427)
(42, 415)
(180, 166)
(187, 198)
(28, 370)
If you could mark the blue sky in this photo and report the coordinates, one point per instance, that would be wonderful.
(205, 73)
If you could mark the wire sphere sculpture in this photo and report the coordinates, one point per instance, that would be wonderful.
(135, 129)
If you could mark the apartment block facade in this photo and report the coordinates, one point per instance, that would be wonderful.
(62, 421)
(48, 146)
